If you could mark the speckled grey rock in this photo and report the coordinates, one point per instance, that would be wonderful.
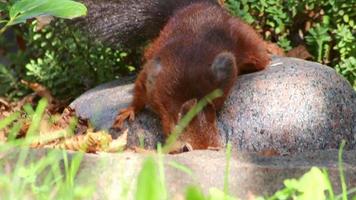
(292, 106)
(114, 176)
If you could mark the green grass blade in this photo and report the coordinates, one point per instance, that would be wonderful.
(341, 172)
(74, 167)
(329, 185)
(148, 183)
(161, 172)
(37, 117)
(227, 169)
(29, 110)
(8, 120)
(180, 167)
(14, 131)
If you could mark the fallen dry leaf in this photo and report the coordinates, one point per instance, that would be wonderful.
(56, 131)
(43, 21)
(39, 89)
(118, 144)
(268, 153)
(91, 142)
(221, 2)
(4, 103)
(66, 118)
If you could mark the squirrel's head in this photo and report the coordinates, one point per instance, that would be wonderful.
(176, 87)
(201, 132)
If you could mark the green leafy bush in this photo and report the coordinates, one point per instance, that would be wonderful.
(68, 63)
(326, 27)
(58, 56)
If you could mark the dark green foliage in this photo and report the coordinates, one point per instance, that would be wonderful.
(326, 27)
(59, 56)
(62, 59)
(68, 63)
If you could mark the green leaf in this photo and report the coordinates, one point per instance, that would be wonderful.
(194, 193)
(346, 18)
(3, 6)
(24, 6)
(312, 185)
(148, 184)
(216, 194)
(27, 9)
(7, 80)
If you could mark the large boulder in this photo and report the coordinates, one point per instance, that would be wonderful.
(292, 106)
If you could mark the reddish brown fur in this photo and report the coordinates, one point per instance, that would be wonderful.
(178, 69)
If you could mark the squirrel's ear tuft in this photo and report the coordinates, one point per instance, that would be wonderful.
(224, 66)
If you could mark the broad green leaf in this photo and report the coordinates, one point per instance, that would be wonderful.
(24, 6)
(312, 185)
(194, 193)
(2, 7)
(216, 194)
(148, 184)
(27, 9)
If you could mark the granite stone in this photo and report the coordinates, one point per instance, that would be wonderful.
(114, 176)
(292, 106)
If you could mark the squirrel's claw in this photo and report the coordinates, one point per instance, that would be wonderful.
(127, 113)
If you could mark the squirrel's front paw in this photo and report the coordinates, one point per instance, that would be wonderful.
(127, 113)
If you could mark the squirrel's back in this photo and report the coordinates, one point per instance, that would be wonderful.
(129, 22)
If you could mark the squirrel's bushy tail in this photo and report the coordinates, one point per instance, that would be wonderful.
(128, 22)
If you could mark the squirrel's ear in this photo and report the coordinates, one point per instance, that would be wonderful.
(153, 68)
(186, 107)
(224, 66)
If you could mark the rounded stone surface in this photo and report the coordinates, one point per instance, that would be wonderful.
(292, 106)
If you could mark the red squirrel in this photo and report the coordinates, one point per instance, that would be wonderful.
(200, 49)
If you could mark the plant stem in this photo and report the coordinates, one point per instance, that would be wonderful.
(320, 51)
(8, 23)
(3, 29)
